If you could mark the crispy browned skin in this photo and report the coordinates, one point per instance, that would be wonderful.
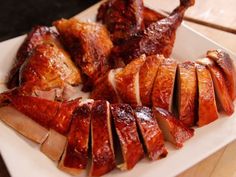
(126, 130)
(163, 88)
(219, 84)
(187, 92)
(147, 75)
(207, 110)
(123, 18)
(75, 157)
(38, 35)
(88, 43)
(127, 82)
(48, 67)
(157, 38)
(151, 133)
(50, 114)
(103, 90)
(150, 16)
(173, 129)
(103, 158)
(227, 65)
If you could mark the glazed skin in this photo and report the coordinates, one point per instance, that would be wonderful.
(187, 93)
(151, 133)
(147, 75)
(127, 83)
(163, 88)
(75, 157)
(50, 114)
(38, 35)
(48, 67)
(207, 110)
(89, 45)
(123, 18)
(157, 38)
(227, 65)
(150, 16)
(126, 130)
(219, 84)
(173, 129)
(103, 158)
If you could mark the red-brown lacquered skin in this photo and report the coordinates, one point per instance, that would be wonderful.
(89, 45)
(163, 87)
(221, 89)
(178, 130)
(48, 67)
(147, 75)
(103, 158)
(78, 138)
(125, 81)
(50, 114)
(227, 65)
(126, 130)
(123, 18)
(187, 93)
(103, 90)
(207, 110)
(151, 133)
(157, 38)
(38, 35)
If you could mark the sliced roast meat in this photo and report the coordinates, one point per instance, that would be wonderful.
(187, 92)
(147, 75)
(75, 156)
(103, 157)
(173, 129)
(23, 124)
(207, 110)
(163, 89)
(126, 130)
(151, 133)
(227, 65)
(54, 145)
(127, 82)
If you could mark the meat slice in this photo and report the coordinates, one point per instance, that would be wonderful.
(126, 130)
(103, 157)
(147, 75)
(75, 156)
(151, 133)
(173, 129)
(127, 82)
(88, 43)
(54, 145)
(207, 110)
(227, 65)
(50, 114)
(220, 85)
(23, 124)
(163, 88)
(187, 92)
(105, 88)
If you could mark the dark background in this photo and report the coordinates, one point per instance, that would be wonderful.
(18, 16)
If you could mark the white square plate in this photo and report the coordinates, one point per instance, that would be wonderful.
(24, 159)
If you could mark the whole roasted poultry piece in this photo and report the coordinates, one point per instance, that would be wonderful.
(131, 107)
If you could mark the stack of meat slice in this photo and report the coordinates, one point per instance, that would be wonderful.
(64, 130)
(187, 89)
